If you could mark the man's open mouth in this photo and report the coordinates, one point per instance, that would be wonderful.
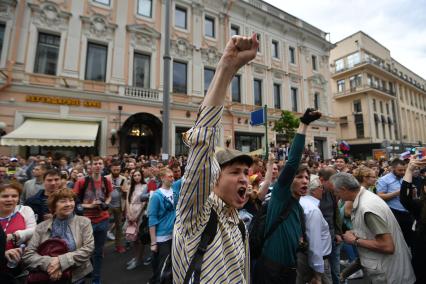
(242, 192)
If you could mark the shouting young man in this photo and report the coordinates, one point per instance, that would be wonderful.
(214, 183)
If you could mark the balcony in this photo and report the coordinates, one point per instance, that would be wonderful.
(141, 93)
(387, 93)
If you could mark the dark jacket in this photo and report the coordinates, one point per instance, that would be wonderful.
(39, 205)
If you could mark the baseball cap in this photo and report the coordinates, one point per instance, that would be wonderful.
(13, 159)
(225, 156)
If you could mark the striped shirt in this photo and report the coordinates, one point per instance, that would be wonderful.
(227, 257)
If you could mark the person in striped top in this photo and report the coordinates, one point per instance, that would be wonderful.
(214, 182)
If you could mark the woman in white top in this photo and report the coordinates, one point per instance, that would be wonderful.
(136, 207)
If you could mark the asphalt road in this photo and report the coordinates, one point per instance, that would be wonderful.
(114, 269)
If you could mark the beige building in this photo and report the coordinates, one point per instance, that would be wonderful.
(86, 76)
(380, 103)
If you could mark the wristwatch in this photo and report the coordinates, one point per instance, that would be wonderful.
(356, 241)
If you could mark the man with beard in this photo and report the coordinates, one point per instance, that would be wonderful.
(119, 189)
(388, 188)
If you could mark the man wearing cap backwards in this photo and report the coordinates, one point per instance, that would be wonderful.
(214, 182)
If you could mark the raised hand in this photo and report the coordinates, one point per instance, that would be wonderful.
(310, 115)
(239, 51)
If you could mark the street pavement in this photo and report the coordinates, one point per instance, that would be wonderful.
(114, 269)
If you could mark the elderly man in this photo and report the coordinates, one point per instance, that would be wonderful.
(383, 252)
(313, 265)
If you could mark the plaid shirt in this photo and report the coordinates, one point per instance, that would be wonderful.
(227, 257)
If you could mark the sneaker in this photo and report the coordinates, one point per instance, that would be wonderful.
(120, 249)
(131, 261)
(356, 275)
(344, 262)
(110, 236)
(147, 261)
(133, 265)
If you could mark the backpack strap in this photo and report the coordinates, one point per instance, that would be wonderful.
(207, 237)
(283, 215)
(83, 190)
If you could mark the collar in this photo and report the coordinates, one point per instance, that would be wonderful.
(312, 199)
(356, 201)
(224, 211)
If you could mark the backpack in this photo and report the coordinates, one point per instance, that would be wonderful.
(82, 192)
(258, 225)
(194, 269)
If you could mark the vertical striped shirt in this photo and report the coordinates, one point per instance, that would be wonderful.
(226, 259)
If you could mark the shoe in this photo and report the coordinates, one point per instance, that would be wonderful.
(356, 275)
(344, 262)
(147, 261)
(133, 265)
(131, 261)
(110, 236)
(120, 249)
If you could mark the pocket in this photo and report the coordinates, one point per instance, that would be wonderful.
(373, 269)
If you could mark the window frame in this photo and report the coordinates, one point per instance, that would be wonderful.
(314, 60)
(292, 55)
(317, 102)
(182, 9)
(204, 77)
(275, 49)
(135, 55)
(236, 76)
(186, 77)
(257, 80)
(2, 26)
(37, 55)
(234, 27)
(89, 43)
(100, 2)
(294, 91)
(277, 96)
(213, 22)
(142, 15)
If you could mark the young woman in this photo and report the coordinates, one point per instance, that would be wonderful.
(135, 208)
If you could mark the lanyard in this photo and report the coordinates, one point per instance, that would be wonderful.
(8, 219)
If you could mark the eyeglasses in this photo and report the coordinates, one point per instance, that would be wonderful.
(370, 176)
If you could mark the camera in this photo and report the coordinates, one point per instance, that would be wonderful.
(103, 206)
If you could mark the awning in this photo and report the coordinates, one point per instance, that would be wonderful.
(51, 132)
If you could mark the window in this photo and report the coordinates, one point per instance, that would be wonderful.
(340, 65)
(317, 101)
(314, 63)
(209, 26)
(2, 28)
(374, 105)
(355, 81)
(353, 59)
(103, 2)
(179, 77)
(180, 147)
(257, 92)
(292, 55)
(277, 96)
(275, 49)
(387, 109)
(208, 77)
(370, 80)
(141, 70)
(47, 54)
(235, 30)
(145, 8)
(294, 99)
(258, 39)
(381, 107)
(341, 86)
(357, 106)
(96, 62)
(236, 89)
(180, 17)
(359, 126)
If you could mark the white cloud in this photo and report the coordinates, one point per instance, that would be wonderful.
(399, 25)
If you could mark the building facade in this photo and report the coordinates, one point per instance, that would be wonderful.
(379, 103)
(100, 63)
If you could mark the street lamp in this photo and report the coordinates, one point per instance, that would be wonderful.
(113, 136)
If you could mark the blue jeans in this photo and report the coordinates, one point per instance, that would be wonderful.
(335, 261)
(99, 234)
(351, 252)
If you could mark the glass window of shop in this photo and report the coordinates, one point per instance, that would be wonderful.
(247, 142)
(46, 59)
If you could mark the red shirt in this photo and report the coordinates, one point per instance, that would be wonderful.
(95, 215)
(16, 223)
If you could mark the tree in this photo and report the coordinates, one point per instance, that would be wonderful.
(287, 125)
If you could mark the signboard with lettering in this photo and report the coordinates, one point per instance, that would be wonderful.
(63, 101)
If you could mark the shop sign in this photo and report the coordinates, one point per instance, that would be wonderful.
(63, 101)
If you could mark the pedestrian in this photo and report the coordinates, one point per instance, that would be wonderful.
(384, 254)
(94, 195)
(214, 183)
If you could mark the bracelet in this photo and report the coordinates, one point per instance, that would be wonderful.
(356, 242)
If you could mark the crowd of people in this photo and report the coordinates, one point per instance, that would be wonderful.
(216, 215)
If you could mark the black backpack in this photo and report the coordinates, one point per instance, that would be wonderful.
(194, 269)
(258, 225)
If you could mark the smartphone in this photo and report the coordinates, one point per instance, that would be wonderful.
(421, 152)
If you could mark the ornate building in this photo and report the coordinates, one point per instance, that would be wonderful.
(97, 65)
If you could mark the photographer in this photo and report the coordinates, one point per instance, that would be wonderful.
(94, 195)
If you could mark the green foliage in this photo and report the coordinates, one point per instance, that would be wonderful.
(287, 125)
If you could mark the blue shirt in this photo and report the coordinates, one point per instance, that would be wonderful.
(388, 184)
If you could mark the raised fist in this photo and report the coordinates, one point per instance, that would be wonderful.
(239, 51)
(310, 115)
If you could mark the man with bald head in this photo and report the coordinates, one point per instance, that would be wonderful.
(330, 211)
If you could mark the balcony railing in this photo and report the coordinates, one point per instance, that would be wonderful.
(141, 93)
(364, 88)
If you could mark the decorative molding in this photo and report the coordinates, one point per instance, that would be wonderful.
(181, 49)
(49, 15)
(210, 56)
(143, 37)
(97, 26)
(7, 9)
(259, 68)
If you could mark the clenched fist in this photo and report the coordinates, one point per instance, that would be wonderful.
(239, 51)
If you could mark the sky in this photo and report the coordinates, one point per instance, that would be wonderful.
(399, 25)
